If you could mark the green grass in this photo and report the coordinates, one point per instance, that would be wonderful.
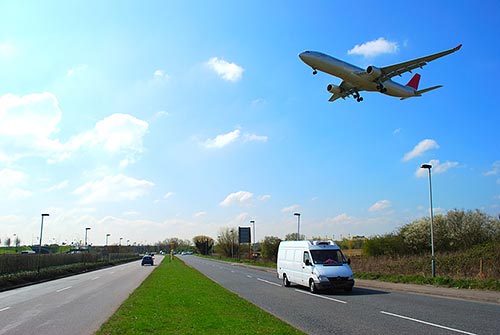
(176, 299)
(464, 283)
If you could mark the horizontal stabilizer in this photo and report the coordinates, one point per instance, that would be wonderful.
(425, 90)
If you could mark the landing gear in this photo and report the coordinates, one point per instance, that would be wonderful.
(315, 71)
(381, 88)
(356, 96)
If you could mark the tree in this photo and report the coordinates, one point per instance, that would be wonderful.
(203, 243)
(7, 242)
(227, 242)
(293, 237)
(270, 248)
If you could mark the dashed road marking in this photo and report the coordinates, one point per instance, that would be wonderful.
(322, 296)
(64, 289)
(4, 309)
(426, 323)
(268, 282)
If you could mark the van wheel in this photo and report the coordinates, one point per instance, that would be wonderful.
(312, 287)
(286, 282)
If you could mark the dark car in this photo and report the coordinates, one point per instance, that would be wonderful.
(147, 260)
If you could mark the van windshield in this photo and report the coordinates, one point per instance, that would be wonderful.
(328, 257)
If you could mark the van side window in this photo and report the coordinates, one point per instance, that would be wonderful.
(306, 257)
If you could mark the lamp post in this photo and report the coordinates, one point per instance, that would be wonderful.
(253, 224)
(41, 231)
(86, 230)
(298, 225)
(232, 242)
(107, 236)
(433, 260)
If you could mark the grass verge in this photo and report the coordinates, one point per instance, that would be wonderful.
(464, 283)
(176, 299)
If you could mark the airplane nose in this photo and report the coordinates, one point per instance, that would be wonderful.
(304, 56)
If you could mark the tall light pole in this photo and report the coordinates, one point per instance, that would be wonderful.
(107, 236)
(298, 225)
(253, 224)
(232, 242)
(433, 260)
(86, 230)
(41, 231)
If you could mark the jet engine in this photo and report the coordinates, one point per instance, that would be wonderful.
(333, 89)
(373, 72)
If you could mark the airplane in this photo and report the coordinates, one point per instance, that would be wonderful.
(373, 79)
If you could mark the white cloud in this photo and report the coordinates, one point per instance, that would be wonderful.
(10, 178)
(199, 214)
(240, 198)
(75, 70)
(36, 115)
(160, 75)
(290, 209)
(58, 186)
(437, 168)
(113, 189)
(420, 149)
(222, 140)
(7, 50)
(341, 219)
(254, 137)
(374, 48)
(115, 133)
(495, 169)
(264, 197)
(18, 194)
(228, 71)
(380, 205)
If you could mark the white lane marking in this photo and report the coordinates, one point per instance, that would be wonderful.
(426, 323)
(64, 289)
(112, 273)
(248, 276)
(321, 296)
(4, 309)
(268, 282)
(95, 278)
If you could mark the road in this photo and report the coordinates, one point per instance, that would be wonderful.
(72, 305)
(364, 311)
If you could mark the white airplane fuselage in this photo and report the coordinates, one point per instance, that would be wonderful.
(353, 74)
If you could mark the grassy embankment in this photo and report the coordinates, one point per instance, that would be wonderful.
(176, 299)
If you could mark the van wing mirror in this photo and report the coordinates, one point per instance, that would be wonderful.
(308, 262)
(348, 261)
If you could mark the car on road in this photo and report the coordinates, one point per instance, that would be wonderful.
(147, 259)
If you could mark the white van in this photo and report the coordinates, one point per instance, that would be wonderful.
(315, 264)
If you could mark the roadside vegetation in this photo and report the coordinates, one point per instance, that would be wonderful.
(467, 245)
(176, 299)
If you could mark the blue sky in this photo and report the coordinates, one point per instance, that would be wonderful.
(157, 119)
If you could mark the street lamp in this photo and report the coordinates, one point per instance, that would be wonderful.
(253, 224)
(86, 229)
(433, 260)
(232, 242)
(298, 225)
(107, 236)
(41, 231)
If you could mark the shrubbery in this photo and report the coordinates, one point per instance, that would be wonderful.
(458, 230)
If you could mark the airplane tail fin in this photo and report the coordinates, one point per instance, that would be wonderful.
(413, 83)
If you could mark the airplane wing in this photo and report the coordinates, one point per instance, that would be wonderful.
(346, 90)
(397, 69)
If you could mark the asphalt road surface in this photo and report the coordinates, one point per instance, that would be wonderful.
(363, 311)
(72, 305)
